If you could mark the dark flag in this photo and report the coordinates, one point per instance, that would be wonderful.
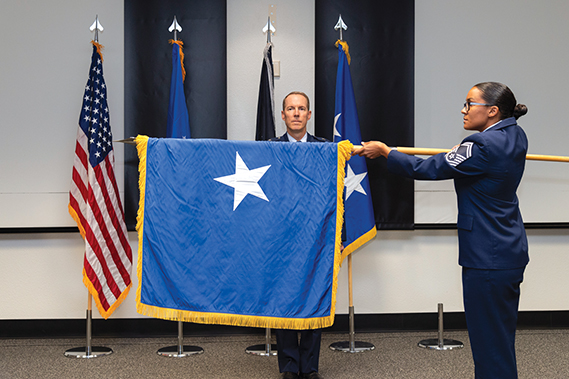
(266, 103)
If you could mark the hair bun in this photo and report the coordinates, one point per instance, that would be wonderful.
(520, 110)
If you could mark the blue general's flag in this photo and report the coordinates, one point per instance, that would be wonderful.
(178, 119)
(359, 220)
(240, 232)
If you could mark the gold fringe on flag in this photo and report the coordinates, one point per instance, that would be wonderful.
(99, 48)
(91, 288)
(359, 242)
(75, 216)
(180, 44)
(344, 154)
(141, 147)
(346, 49)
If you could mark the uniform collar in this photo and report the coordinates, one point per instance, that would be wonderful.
(501, 124)
(292, 139)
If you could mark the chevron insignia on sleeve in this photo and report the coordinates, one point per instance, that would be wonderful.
(459, 154)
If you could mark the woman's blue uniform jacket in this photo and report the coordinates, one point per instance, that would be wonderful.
(487, 168)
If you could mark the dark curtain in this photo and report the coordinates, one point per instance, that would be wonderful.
(381, 39)
(148, 66)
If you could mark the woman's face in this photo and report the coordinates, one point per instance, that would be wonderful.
(478, 117)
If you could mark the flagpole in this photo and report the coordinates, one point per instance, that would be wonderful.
(88, 351)
(263, 350)
(267, 349)
(429, 151)
(432, 151)
(440, 343)
(351, 346)
(180, 350)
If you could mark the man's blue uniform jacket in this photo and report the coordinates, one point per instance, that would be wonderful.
(487, 168)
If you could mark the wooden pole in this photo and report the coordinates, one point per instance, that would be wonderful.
(350, 288)
(427, 151)
(431, 151)
(352, 323)
(351, 346)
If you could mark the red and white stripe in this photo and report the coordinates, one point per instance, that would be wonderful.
(94, 198)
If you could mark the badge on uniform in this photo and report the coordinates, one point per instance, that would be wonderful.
(459, 154)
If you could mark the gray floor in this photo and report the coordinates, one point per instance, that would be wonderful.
(541, 354)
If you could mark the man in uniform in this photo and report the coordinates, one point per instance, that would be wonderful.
(298, 359)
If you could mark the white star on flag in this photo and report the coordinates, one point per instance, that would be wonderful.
(244, 181)
(336, 133)
(353, 182)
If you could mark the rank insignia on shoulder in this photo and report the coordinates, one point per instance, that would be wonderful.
(459, 154)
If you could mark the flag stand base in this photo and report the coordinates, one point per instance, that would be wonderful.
(435, 344)
(349, 347)
(352, 346)
(82, 352)
(440, 343)
(263, 350)
(88, 351)
(181, 350)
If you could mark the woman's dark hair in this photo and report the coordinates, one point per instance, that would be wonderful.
(500, 95)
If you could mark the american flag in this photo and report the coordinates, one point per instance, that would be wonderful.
(94, 200)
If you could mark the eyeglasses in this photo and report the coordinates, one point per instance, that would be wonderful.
(468, 104)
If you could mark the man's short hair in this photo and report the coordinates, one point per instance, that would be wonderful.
(297, 93)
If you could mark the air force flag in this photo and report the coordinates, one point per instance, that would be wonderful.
(240, 233)
(359, 219)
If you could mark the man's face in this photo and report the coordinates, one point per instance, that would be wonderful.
(296, 114)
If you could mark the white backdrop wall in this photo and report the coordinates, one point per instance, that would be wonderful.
(519, 43)
(400, 271)
(46, 53)
(293, 46)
